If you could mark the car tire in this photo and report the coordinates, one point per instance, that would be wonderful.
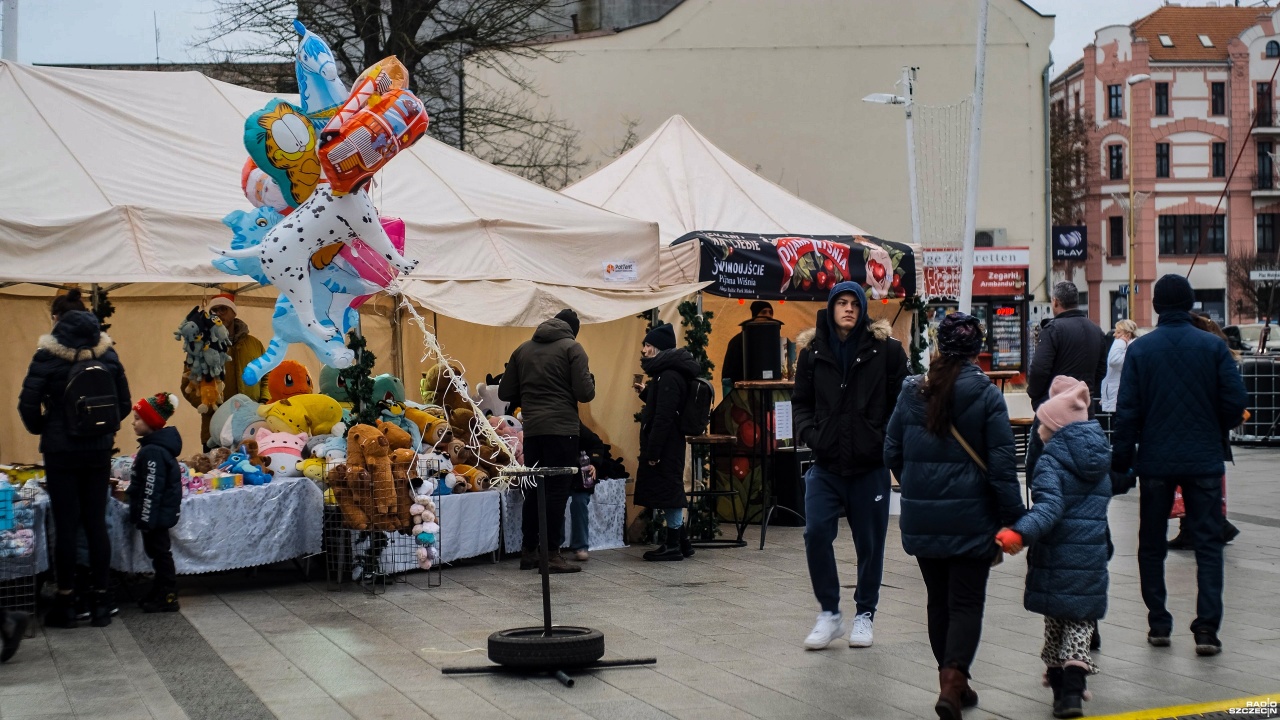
(567, 647)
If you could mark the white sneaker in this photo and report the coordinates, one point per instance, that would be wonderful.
(828, 628)
(860, 635)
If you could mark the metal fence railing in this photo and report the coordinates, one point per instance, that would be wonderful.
(1262, 381)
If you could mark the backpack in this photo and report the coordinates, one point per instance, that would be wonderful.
(90, 402)
(696, 415)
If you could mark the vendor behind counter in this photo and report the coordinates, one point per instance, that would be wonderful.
(733, 369)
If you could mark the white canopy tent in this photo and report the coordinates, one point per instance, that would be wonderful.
(117, 176)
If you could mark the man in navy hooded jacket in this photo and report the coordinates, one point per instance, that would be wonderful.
(847, 383)
(1180, 393)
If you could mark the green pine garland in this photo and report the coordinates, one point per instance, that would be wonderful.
(697, 334)
(359, 380)
(920, 342)
(102, 308)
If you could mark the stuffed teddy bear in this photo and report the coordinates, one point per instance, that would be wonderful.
(200, 463)
(288, 379)
(404, 469)
(351, 492)
(480, 450)
(396, 435)
(440, 390)
(369, 450)
(308, 413)
(282, 452)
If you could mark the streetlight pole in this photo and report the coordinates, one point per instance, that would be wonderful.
(908, 87)
(1132, 81)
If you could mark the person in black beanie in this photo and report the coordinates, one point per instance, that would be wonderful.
(546, 378)
(660, 476)
(1180, 392)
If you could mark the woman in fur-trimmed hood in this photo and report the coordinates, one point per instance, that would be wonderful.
(77, 468)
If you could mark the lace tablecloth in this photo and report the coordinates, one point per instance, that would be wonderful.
(37, 561)
(228, 529)
(607, 515)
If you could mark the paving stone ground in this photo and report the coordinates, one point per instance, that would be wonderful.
(726, 628)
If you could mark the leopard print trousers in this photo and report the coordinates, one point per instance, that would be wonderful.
(1066, 640)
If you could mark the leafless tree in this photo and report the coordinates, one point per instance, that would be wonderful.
(1259, 297)
(1070, 164)
(449, 47)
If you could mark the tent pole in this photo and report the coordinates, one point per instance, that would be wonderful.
(397, 341)
(975, 161)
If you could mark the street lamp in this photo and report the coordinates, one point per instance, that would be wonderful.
(1132, 80)
(907, 82)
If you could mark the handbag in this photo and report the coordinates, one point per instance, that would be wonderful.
(981, 466)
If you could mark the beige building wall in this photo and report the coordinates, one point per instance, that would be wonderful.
(778, 84)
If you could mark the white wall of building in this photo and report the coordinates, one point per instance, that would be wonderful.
(778, 84)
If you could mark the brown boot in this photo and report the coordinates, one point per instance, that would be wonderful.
(952, 684)
(557, 564)
(968, 696)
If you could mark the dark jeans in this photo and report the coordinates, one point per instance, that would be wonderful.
(1203, 499)
(580, 523)
(863, 500)
(156, 544)
(957, 590)
(548, 451)
(77, 485)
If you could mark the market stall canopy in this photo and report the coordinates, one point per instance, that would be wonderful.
(684, 182)
(118, 176)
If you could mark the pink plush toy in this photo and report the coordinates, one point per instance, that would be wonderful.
(281, 451)
(511, 432)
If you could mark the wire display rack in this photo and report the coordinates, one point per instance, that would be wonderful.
(380, 524)
(1261, 375)
(18, 547)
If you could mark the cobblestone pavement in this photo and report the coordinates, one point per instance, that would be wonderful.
(726, 627)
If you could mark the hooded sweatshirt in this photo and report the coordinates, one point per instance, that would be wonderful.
(155, 493)
(845, 349)
(546, 378)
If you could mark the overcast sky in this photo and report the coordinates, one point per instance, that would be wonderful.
(123, 31)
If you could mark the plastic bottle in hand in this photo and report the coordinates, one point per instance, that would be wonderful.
(584, 466)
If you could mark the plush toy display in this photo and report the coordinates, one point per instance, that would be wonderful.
(205, 342)
(311, 413)
(440, 391)
(282, 451)
(486, 397)
(477, 480)
(437, 435)
(332, 384)
(288, 379)
(238, 462)
(312, 468)
(234, 421)
(369, 451)
(351, 493)
(512, 433)
(426, 530)
(396, 435)
(333, 449)
(404, 469)
(478, 449)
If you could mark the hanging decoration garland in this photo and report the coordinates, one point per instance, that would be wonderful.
(917, 305)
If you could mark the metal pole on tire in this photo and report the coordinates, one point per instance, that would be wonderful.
(545, 554)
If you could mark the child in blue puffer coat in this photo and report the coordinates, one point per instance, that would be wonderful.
(1066, 530)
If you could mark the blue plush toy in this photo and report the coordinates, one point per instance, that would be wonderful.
(238, 462)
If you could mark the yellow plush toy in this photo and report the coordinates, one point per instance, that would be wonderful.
(312, 468)
(309, 413)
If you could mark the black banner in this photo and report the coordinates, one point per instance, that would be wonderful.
(802, 267)
(1070, 243)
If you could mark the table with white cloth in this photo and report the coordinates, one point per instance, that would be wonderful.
(228, 529)
(469, 525)
(25, 566)
(606, 516)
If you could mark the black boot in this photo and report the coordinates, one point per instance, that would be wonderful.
(1229, 532)
(1181, 541)
(100, 607)
(1071, 703)
(161, 600)
(63, 612)
(1095, 642)
(669, 550)
(686, 545)
(1053, 676)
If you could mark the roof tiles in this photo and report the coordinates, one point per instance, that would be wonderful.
(1184, 25)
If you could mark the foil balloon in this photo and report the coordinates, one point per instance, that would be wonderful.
(362, 145)
(319, 227)
(319, 87)
(282, 142)
(260, 189)
(371, 267)
(382, 77)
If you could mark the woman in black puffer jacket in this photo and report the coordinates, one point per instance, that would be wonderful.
(952, 508)
(77, 469)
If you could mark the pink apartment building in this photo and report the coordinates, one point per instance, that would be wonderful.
(1208, 106)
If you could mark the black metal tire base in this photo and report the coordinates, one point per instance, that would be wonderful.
(529, 648)
(549, 648)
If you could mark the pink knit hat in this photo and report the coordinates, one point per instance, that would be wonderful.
(1068, 403)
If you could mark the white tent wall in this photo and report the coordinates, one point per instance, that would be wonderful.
(142, 328)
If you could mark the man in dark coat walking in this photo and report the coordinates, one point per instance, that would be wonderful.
(1180, 392)
(847, 383)
(546, 378)
(1071, 345)
(660, 477)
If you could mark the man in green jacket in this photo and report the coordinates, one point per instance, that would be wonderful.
(546, 378)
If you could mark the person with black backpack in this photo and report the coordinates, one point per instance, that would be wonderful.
(672, 372)
(74, 396)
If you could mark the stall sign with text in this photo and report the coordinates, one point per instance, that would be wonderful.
(791, 267)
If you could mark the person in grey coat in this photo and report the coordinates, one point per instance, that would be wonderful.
(1066, 530)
